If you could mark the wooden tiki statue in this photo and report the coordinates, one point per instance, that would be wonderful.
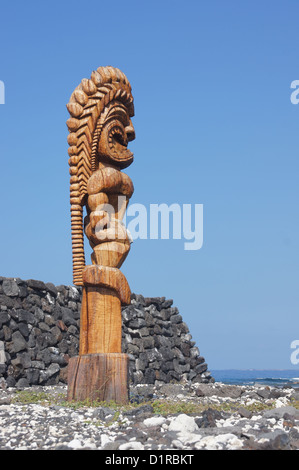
(100, 128)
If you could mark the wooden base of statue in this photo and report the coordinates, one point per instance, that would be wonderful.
(100, 372)
(101, 377)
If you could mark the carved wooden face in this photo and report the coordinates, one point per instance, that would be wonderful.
(117, 132)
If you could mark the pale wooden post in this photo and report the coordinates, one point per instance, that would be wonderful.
(100, 128)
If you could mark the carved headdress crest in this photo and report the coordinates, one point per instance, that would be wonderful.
(88, 106)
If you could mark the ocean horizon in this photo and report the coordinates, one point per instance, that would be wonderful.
(271, 377)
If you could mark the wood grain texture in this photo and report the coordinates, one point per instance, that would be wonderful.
(105, 276)
(100, 322)
(102, 377)
(100, 129)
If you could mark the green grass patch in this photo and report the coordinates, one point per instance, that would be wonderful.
(28, 397)
(295, 404)
(165, 407)
(160, 407)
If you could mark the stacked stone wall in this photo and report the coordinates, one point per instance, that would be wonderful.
(40, 327)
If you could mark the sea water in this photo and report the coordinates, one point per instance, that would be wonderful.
(276, 378)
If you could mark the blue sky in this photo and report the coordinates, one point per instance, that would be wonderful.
(214, 126)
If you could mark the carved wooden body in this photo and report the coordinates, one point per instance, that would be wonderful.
(100, 128)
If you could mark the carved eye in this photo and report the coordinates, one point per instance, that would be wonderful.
(118, 113)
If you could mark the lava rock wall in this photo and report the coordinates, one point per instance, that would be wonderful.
(40, 326)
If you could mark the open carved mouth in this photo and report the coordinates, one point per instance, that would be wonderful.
(116, 133)
(118, 143)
